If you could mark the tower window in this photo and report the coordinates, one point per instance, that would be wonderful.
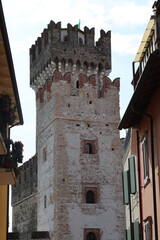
(80, 41)
(65, 38)
(90, 197)
(77, 84)
(45, 201)
(90, 194)
(44, 154)
(88, 148)
(91, 236)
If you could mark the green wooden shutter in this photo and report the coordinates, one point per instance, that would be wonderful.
(128, 234)
(132, 174)
(136, 230)
(126, 198)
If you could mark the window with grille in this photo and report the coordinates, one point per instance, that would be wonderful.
(88, 148)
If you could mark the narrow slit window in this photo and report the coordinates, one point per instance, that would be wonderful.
(45, 201)
(77, 84)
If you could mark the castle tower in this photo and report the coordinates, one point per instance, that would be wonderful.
(78, 145)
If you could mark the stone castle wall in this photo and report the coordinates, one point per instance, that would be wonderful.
(65, 123)
(76, 105)
(24, 200)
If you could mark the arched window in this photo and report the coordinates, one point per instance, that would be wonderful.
(77, 84)
(90, 197)
(88, 148)
(91, 236)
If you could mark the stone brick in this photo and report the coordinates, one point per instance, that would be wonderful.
(74, 115)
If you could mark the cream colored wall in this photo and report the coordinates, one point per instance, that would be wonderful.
(134, 197)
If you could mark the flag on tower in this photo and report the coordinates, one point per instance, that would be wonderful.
(79, 24)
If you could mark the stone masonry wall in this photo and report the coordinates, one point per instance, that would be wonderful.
(64, 122)
(24, 200)
(77, 108)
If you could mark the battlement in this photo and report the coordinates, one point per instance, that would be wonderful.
(26, 181)
(71, 34)
(69, 45)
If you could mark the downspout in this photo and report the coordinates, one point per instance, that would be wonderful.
(140, 189)
(153, 171)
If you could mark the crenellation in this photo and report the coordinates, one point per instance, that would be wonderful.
(70, 43)
(77, 140)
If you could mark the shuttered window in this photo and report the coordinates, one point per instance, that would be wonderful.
(136, 230)
(128, 234)
(132, 174)
(126, 191)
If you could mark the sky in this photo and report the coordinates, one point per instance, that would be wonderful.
(25, 21)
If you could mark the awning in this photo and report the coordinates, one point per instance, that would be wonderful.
(145, 40)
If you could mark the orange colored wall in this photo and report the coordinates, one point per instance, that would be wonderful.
(3, 211)
(143, 127)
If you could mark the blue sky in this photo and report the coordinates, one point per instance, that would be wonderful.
(25, 20)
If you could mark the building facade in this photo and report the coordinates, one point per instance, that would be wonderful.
(9, 98)
(79, 187)
(142, 115)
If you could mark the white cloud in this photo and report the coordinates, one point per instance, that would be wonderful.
(129, 13)
(125, 44)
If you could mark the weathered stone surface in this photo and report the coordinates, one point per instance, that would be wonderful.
(77, 104)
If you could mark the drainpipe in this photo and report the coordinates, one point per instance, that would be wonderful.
(153, 171)
(140, 189)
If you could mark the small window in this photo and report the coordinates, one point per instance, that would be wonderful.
(90, 194)
(148, 230)
(44, 154)
(65, 38)
(45, 201)
(90, 197)
(88, 148)
(80, 41)
(77, 84)
(91, 236)
(145, 159)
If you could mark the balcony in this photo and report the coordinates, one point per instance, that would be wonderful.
(146, 48)
(9, 162)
